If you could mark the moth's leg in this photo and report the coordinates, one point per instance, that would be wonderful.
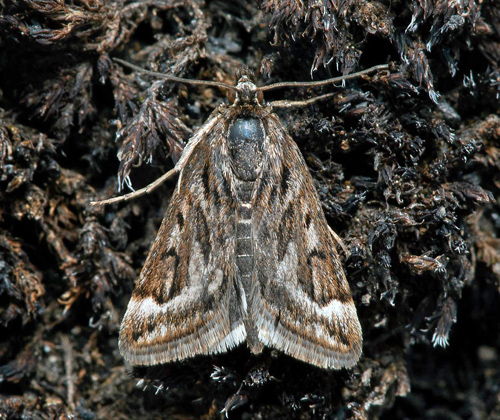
(333, 81)
(289, 104)
(340, 242)
(146, 190)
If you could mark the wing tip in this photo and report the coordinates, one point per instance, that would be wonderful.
(156, 353)
(335, 356)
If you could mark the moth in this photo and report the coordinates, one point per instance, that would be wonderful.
(244, 252)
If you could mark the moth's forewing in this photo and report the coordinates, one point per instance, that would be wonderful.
(302, 297)
(181, 303)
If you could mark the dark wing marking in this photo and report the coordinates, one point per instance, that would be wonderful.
(301, 299)
(185, 302)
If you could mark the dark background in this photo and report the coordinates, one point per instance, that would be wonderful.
(407, 164)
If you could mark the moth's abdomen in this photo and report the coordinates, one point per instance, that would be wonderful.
(245, 142)
(245, 259)
(244, 247)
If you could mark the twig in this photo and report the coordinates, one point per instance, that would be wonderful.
(68, 365)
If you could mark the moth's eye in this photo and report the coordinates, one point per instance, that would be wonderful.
(231, 95)
(260, 96)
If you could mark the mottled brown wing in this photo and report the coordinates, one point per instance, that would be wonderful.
(181, 303)
(301, 299)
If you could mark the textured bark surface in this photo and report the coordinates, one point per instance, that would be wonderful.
(407, 165)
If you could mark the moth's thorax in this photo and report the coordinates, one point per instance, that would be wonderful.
(245, 142)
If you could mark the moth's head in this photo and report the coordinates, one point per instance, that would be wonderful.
(245, 92)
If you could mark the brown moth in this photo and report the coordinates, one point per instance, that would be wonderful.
(244, 252)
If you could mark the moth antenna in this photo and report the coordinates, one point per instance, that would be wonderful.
(333, 80)
(174, 78)
(146, 190)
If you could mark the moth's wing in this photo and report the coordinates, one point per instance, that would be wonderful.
(184, 302)
(301, 299)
